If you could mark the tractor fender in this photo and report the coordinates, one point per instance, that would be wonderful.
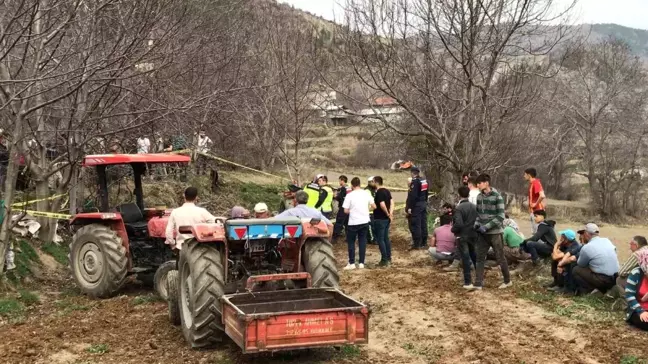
(318, 230)
(110, 219)
(205, 233)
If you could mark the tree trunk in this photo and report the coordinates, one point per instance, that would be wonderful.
(42, 192)
(9, 191)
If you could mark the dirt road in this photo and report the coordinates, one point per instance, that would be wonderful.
(419, 315)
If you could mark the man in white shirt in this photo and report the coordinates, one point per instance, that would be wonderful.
(204, 142)
(185, 215)
(474, 191)
(143, 145)
(357, 205)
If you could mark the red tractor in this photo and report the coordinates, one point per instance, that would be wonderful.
(268, 284)
(112, 243)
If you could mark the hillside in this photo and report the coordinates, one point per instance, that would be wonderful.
(636, 38)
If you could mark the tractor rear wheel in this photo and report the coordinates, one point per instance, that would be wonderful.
(98, 260)
(173, 297)
(320, 262)
(160, 278)
(202, 284)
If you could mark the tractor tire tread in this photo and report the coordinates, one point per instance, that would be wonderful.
(320, 262)
(115, 258)
(173, 297)
(207, 273)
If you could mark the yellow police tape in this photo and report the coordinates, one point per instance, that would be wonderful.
(22, 204)
(209, 155)
(51, 215)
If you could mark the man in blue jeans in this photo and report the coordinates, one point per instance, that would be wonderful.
(383, 216)
(357, 205)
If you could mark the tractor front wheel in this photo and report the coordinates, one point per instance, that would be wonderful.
(320, 262)
(161, 276)
(173, 297)
(98, 260)
(202, 284)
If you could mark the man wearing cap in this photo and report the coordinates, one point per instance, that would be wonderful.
(316, 195)
(564, 255)
(261, 211)
(416, 209)
(598, 265)
(371, 189)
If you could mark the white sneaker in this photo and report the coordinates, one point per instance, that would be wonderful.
(505, 285)
(350, 267)
(468, 287)
(360, 266)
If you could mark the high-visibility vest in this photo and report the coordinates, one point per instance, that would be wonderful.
(313, 192)
(327, 206)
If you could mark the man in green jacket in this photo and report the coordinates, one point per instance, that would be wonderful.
(490, 218)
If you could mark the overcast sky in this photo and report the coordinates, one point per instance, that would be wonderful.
(630, 13)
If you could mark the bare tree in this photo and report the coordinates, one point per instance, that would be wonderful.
(603, 98)
(466, 73)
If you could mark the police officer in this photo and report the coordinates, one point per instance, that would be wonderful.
(371, 189)
(327, 206)
(416, 209)
(316, 194)
(342, 218)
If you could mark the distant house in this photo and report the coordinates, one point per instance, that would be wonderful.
(384, 107)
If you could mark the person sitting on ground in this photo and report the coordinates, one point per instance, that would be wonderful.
(239, 212)
(598, 264)
(261, 211)
(442, 243)
(508, 221)
(636, 292)
(187, 214)
(637, 244)
(447, 209)
(540, 245)
(564, 256)
(512, 241)
(305, 212)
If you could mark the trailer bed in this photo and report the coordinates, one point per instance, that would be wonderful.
(294, 319)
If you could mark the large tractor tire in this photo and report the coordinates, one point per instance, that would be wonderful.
(320, 262)
(98, 261)
(173, 297)
(202, 284)
(160, 278)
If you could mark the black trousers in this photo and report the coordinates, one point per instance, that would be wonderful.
(418, 227)
(635, 321)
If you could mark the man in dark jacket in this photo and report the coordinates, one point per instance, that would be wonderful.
(465, 215)
(342, 218)
(416, 209)
(541, 244)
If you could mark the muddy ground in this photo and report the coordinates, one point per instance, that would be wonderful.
(419, 315)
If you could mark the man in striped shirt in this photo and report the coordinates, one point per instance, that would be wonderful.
(637, 245)
(490, 219)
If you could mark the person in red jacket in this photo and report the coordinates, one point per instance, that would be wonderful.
(536, 195)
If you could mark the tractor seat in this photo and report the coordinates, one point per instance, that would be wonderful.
(134, 221)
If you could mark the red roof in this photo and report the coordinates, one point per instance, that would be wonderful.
(385, 101)
(104, 159)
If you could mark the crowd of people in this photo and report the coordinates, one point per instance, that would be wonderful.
(471, 232)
